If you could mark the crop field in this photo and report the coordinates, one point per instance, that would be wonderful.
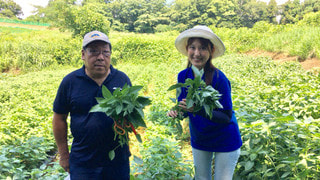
(277, 104)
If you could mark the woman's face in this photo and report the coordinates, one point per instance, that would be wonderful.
(198, 54)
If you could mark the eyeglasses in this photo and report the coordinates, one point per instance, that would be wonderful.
(96, 52)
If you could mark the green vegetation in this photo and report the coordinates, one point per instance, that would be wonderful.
(6, 20)
(277, 105)
(150, 16)
(125, 107)
(49, 48)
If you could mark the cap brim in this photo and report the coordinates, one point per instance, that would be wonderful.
(182, 40)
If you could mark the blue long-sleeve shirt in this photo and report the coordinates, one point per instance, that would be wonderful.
(210, 134)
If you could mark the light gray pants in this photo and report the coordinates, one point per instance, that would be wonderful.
(224, 164)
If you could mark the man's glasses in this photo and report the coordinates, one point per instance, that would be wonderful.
(96, 52)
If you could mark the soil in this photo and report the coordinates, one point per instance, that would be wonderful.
(307, 64)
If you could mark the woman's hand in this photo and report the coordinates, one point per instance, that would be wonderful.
(172, 113)
(183, 105)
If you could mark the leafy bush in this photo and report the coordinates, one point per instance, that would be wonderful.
(37, 50)
(276, 106)
(278, 147)
(310, 19)
(85, 19)
(16, 159)
(160, 157)
(26, 139)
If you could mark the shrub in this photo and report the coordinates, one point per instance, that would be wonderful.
(160, 157)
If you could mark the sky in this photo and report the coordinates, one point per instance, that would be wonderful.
(27, 7)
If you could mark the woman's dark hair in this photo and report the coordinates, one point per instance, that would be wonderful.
(209, 68)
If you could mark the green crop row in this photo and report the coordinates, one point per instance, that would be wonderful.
(276, 104)
(26, 139)
(23, 22)
(35, 50)
(294, 40)
(278, 135)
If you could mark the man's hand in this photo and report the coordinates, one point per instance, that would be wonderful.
(64, 162)
(60, 131)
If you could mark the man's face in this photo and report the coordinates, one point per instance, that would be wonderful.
(97, 59)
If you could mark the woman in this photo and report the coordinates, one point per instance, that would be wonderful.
(219, 135)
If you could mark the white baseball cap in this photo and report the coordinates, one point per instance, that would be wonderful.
(94, 36)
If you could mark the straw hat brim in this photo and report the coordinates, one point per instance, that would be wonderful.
(182, 40)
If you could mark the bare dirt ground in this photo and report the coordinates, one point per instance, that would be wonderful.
(308, 64)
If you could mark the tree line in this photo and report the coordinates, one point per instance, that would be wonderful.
(149, 16)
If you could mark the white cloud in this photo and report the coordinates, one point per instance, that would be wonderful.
(27, 6)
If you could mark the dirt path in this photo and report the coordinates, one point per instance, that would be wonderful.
(308, 64)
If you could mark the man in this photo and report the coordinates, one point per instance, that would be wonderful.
(92, 132)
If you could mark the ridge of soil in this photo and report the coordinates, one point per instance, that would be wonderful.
(307, 64)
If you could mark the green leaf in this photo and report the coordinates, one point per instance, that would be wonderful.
(173, 100)
(284, 175)
(190, 103)
(178, 85)
(135, 89)
(105, 92)
(248, 165)
(112, 154)
(136, 119)
(179, 127)
(97, 108)
(178, 92)
(206, 94)
(100, 100)
(139, 138)
(207, 109)
(137, 160)
(119, 108)
(144, 100)
(140, 112)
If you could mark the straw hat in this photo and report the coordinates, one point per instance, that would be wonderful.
(202, 32)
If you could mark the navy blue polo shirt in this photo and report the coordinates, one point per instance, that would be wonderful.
(208, 135)
(92, 132)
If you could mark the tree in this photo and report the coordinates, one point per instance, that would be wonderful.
(84, 19)
(310, 6)
(126, 12)
(291, 12)
(222, 13)
(139, 15)
(251, 11)
(179, 14)
(272, 12)
(9, 9)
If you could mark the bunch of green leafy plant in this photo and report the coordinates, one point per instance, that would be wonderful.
(125, 107)
(199, 96)
(161, 157)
